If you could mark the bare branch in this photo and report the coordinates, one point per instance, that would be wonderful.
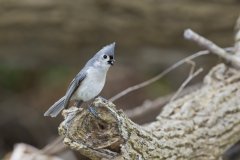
(154, 79)
(212, 47)
(192, 74)
(149, 107)
(201, 125)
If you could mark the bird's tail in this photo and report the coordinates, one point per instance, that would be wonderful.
(56, 108)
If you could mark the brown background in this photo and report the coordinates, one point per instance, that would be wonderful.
(43, 44)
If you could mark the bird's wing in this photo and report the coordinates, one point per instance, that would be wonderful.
(73, 87)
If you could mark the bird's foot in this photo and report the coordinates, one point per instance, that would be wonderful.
(93, 111)
(78, 103)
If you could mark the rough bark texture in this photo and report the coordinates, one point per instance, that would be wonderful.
(201, 125)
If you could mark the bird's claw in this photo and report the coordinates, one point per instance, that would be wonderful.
(93, 111)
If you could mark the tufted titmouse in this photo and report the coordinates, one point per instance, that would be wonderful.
(88, 83)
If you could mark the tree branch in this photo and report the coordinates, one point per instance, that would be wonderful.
(157, 77)
(201, 125)
(192, 74)
(212, 47)
(138, 114)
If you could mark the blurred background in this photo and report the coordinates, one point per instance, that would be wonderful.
(44, 43)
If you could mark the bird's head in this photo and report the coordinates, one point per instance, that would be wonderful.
(105, 57)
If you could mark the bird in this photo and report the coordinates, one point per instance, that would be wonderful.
(88, 83)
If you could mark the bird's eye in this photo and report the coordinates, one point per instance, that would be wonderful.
(105, 56)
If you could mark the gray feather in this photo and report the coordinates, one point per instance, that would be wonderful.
(56, 108)
(108, 50)
(73, 86)
(62, 103)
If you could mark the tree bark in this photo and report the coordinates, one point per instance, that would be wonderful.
(201, 125)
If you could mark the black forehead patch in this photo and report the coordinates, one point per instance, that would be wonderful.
(111, 57)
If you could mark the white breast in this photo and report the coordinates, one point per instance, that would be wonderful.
(91, 86)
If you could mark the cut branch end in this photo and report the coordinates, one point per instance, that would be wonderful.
(98, 136)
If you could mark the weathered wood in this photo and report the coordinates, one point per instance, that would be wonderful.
(201, 125)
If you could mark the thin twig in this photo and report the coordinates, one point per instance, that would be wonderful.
(192, 74)
(147, 107)
(154, 79)
(212, 47)
(193, 66)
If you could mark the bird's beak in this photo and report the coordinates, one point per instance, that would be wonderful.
(111, 62)
(111, 56)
